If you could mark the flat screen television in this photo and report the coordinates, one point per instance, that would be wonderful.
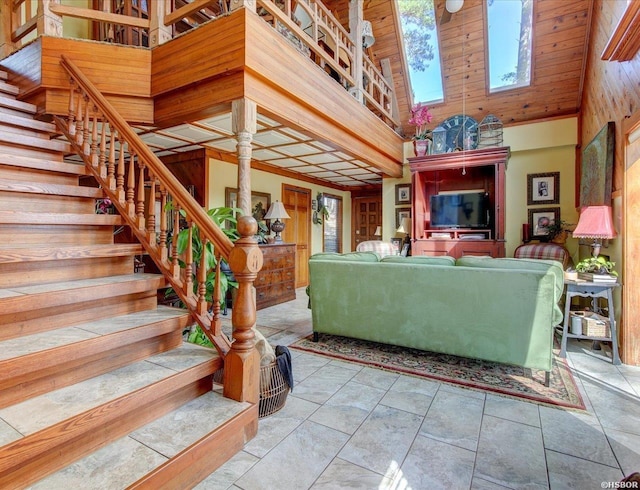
(463, 210)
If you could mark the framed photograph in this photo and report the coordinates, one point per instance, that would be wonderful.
(403, 193)
(260, 202)
(540, 219)
(543, 188)
(400, 214)
(397, 243)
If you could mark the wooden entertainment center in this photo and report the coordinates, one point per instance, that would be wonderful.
(459, 172)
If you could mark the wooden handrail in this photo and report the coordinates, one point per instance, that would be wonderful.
(98, 15)
(173, 186)
(92, 119)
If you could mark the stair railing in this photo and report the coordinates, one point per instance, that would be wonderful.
(133, 177)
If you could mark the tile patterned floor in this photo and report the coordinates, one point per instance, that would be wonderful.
(349, 426)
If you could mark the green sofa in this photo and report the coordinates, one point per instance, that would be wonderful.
(501, 310)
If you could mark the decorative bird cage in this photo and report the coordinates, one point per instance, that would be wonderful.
(490, 132)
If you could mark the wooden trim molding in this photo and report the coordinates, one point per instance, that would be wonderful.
(625, 39)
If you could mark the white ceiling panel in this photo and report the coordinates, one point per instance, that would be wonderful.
(272, 138)
(339, 166)
(308, 169)
(190, 133)
(320, 158)
(161, 141)
(264, 154)
(226, 145)
(296, 134)
(286, 162)
(297, 150)
(220, 123)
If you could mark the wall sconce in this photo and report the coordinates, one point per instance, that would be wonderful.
(277, 212)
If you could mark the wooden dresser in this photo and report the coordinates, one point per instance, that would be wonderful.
(276, 280)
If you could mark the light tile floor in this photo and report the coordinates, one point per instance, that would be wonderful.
(349, 426)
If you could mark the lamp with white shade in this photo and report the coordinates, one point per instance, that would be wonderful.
(405, 227)
(378, 231)
(595, 222)
(453, 6)
(367, 34)
(277, 212)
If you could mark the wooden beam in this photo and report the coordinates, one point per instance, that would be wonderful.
(186, 11)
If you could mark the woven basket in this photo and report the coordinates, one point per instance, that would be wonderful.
(273, 389)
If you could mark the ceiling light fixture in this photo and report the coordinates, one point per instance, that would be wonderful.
(453, 6)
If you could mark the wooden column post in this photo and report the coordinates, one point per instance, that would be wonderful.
(248, 4)
(355, 28)
(158, 33)
(244, 115)
(6, 28)
(49, 24)
(242, 362)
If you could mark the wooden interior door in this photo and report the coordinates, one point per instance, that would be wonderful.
(297, 202)
(366, 217)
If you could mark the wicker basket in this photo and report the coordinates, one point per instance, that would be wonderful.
(594, 325)
(273, 389)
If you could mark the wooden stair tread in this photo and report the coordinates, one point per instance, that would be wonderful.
(28, 123)
(7, 88)
(85, 416)
(10, 185)
(63, 338)
(34, 142)
(18, 217)
(165, 438)
(13, 300)
(10, 103)
(3, 75)
(42, 164)
(44, 252)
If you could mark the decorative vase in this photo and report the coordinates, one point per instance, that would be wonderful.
(421, 147)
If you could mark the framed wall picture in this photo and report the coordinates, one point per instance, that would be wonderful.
(596, 168)
(260, 202)
(543, 188)
(403, 193)
(400, 214)
(540, 219)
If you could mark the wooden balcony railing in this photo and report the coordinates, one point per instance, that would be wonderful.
(134, 179)
(311, 27)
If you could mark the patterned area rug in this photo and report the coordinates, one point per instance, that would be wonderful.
(498, 378)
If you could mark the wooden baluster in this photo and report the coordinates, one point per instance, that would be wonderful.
(111, 166)
(94, 140)
(140, 197)
(86, 147)
(72, 107)
(188, 260)
(79, 121)
(162, 241)
(151, 212)
(216, 321)
(175, 266)
(131, 186)
(242, 362)
(120, 173)
(201, 306)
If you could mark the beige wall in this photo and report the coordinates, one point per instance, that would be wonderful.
(223, 175)
(535, 148)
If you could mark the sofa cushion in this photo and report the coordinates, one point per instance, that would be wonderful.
(349, 256)
(552, 266)
(421, 259)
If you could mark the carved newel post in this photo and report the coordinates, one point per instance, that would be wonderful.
(242, 362)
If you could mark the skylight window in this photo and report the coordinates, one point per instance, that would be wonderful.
(510, 33)
(421, 49)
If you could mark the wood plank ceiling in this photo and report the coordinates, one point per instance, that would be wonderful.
(561, 30)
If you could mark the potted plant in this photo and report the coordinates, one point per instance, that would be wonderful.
(596, 269)
(558, 231)
(420, 117)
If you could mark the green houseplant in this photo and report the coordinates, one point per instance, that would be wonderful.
(597, 265)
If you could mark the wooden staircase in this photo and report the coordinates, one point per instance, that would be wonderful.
(97, 388)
